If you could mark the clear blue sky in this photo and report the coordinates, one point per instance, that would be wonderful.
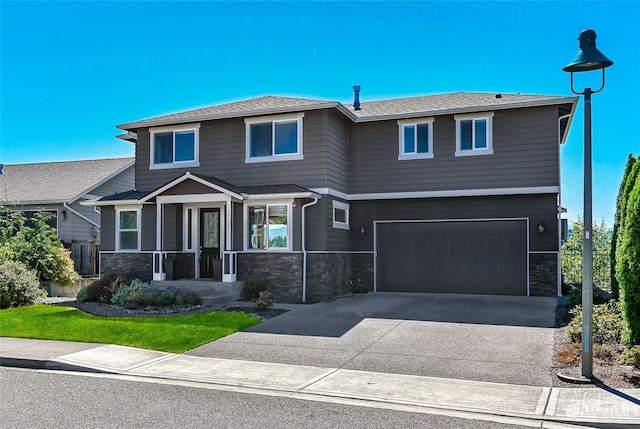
(71, 71)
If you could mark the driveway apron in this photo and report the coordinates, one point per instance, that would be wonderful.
(501, 339)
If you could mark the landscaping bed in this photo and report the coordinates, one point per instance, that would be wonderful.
(606, 366)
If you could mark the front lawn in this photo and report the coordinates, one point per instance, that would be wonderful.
(174, 334)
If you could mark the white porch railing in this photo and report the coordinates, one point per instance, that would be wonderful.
(158, 265)
(229, 266)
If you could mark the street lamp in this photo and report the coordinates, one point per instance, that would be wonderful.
(588, 58)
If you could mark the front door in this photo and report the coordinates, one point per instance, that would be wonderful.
(210, 243)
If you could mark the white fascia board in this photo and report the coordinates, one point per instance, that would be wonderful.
(184, 177)
(194, 198)
(93, 203)
(440, 194)
(254, 197)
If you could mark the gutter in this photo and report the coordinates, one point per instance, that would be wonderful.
(561, 140)
(304, 249)
(80, 215)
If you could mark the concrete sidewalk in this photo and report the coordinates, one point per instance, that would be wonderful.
(592, 406)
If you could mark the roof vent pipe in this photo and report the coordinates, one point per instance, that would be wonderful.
(356, 97)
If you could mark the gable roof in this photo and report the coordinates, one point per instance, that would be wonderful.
(438, 104)
(214, 184)
(57, 182)
(254, 106)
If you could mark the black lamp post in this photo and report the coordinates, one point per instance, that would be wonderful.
(588, 58)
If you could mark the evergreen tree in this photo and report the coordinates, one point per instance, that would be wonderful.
(628, 264)
(620, 209)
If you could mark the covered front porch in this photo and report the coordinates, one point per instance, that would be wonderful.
(195, 230)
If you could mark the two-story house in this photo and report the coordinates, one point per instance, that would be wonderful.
(455, 193)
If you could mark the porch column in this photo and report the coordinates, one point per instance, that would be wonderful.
(158, 255)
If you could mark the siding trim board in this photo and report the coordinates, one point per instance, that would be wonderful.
(439, 194)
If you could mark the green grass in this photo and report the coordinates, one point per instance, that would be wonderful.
(174, 334)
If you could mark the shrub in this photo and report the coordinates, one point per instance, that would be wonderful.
(252, 289)
(64, 272)
(607, 324)
(103, 290)
(599, 296)
(264, 301)
(124, 296)
(19, 285)
(165, 297)
(632, 357)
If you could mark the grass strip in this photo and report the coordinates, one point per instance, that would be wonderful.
(173, 334)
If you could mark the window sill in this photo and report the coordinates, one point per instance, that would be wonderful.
(406, 156)
(339, 225)
(186, 164)
(477, 152)
(259, 159)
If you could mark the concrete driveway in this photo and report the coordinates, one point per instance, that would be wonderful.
(499, 339)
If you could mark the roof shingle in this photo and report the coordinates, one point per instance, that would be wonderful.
(56, 182)
(427, 105)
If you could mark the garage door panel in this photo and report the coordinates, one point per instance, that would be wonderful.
(455, 257)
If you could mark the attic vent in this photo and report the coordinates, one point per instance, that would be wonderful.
(356, 97)
(498, 95)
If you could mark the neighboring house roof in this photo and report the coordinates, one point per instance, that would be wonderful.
(57, 182)
(439, 104)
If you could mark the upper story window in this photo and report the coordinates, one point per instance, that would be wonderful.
(127, 229)
(269, 227)
(340, 215)
(174, 147)
(416, 138)
(474, 134)
(274, 138)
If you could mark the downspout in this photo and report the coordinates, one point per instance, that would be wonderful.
(66, 206)
(304, 249)
(559, 260)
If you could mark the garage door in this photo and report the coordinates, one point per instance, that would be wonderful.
(479, 257)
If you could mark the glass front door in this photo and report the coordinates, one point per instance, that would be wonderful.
(210, 243)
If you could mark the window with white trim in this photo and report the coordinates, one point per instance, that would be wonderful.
(474, 134)
(269, 227)
(127, 229)
(416, 138)
(340, 215)
(274, 138)
(174, 147)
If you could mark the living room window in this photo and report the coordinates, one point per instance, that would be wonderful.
(269, 227)
(174, 147)
(274, 138)
(127, 229)
(416, 139)
(340, 215)
(474, 134)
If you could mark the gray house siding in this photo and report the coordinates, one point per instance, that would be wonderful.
(525, 145)
(108, 228)
(223, 150)
(123, 182)
(537, 208)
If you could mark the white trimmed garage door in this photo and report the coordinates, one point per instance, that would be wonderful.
(477, 257)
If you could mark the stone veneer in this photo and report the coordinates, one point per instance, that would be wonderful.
(134, 265)
(280, 273)
(328, 274)
(543, 274)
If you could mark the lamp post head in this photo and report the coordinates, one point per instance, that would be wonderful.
(588, 57)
